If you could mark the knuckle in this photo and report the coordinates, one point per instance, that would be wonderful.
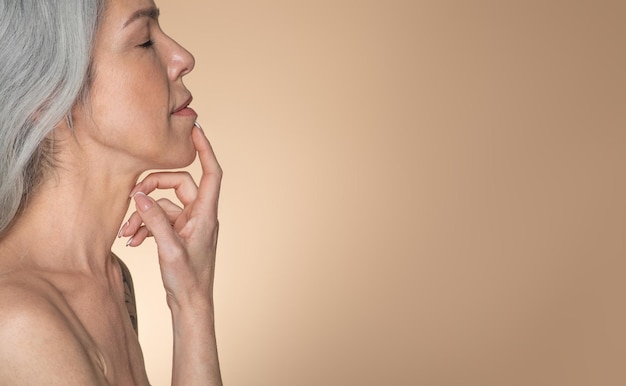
(152, 214)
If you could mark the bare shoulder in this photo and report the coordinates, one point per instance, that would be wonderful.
(40, 343)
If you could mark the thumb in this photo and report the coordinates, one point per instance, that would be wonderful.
(155, 220)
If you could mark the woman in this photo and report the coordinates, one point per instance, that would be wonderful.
(92, 97)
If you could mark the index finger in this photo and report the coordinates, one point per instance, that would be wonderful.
(209, 186)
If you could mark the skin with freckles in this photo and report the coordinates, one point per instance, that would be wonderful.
(138, 84)
(64, 296)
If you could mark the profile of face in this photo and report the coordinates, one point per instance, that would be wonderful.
(137, 106)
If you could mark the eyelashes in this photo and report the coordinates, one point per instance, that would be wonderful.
(147, 44)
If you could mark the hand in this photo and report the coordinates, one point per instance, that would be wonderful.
(186, 237)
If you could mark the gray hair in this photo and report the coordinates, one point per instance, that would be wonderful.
(45, 57)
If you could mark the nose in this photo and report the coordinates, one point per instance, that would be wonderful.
(181, 62)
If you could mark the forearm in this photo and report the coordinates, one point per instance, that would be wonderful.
(195, 349)
(186, 240)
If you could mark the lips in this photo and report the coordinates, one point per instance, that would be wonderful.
(183, 106)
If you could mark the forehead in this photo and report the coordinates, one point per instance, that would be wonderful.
(118, 13)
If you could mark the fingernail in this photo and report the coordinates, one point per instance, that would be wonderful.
(119, 234)
(198, 126)
(133, 191)
(129, 241)
(142, 201)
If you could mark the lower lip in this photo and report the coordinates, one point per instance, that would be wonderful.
(186, 112)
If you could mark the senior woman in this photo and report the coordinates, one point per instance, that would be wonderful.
(92, 96)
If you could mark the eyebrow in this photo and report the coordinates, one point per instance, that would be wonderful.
(152, 13)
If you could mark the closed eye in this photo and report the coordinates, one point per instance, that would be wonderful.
(147, 44)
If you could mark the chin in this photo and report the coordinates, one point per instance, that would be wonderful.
(188, 160)
(178, 160)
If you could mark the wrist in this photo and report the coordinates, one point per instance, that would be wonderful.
(194, 304)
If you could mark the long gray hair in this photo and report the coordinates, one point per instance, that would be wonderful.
(45, 56)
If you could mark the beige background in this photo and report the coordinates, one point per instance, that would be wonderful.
(415, 192)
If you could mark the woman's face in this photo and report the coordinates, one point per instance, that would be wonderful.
(137, 103)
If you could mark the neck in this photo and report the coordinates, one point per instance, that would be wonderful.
(72, 220)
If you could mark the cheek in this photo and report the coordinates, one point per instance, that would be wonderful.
(147, 91)
(128, 97)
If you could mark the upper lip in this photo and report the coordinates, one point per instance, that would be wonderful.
(184, 105)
